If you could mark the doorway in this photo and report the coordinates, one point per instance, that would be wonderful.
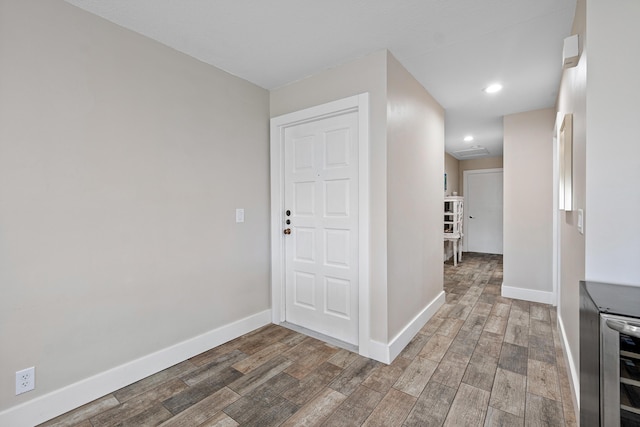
(483, 219)
(319, 220)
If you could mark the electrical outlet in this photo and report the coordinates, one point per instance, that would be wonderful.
(25, 380)
(239, 215)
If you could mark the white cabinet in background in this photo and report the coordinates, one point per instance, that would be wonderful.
(453, 215)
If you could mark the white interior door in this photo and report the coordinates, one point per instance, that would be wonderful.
(483, 193)
(321, 208)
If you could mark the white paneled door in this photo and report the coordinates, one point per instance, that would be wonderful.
(321, 226)
(483, 193)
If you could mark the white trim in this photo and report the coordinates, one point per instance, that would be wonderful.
(556, 265)
(544, 297)
(465, 185)
(59, 401)
(403, 338)
(386, 353)
(574, 379)
(359, 103)
(363, 225)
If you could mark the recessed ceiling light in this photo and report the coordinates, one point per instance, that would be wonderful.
(493, 88)
(468, 138)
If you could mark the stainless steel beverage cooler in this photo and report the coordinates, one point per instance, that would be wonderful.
(609, 355)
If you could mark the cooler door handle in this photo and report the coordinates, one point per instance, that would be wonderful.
(624, 327)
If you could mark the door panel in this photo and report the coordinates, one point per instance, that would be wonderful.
(483, 196)
(321, 253)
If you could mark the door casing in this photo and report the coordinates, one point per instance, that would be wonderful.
(359, 103)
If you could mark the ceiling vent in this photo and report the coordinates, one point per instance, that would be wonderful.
(471, 152)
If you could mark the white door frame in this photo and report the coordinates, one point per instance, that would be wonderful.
(359, 103)
(556, 264)
(465, 175)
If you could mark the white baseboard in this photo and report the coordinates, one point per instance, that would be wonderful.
(574, 378)
(58, 402)
(532, 295)
(386, 353)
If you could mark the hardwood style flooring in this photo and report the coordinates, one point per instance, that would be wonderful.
(482, 360)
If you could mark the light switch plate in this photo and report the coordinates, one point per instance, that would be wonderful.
(239, 215)
(580, 221)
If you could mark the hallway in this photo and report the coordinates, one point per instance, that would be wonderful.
(482, 360)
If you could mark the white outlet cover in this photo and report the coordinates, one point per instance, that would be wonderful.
(239, 215)
(25, 380)
(580, 221)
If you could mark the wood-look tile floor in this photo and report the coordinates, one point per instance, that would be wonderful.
(482, 360)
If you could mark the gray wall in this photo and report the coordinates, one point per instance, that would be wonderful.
(452, 169)
(415, 197)
(121, 164)
(606, 157)
(571, 256)
(613, 145)
(528, 200)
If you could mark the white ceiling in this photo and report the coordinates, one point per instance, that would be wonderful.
(455, 48)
